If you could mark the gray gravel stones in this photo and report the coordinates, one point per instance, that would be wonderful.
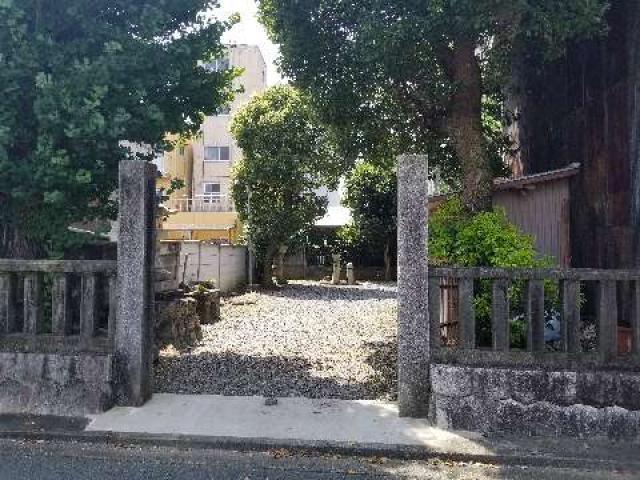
(305, 339)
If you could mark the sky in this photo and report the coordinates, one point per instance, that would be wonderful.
(250, 31)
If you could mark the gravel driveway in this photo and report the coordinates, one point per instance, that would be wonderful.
(305, 339)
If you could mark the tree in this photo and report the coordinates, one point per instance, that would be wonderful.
(287, 156)
(372, 197)
(79, 81)
(407, 76)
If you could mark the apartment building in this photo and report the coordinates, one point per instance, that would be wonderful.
(204, 209)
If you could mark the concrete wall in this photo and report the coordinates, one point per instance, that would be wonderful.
(177, 164)
(55, 384)
(536, 402)
(226, 265)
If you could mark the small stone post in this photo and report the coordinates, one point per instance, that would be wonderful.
(351, 276)
(413, 312)
(282, 252)
(337, 269)
(136, 253)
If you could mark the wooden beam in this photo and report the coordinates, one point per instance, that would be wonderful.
(500, 316)
(535, 316)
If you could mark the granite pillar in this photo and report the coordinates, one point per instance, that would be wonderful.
(413, 312)
(136, 245)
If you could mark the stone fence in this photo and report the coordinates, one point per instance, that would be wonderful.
(57, 321)
(76, 336)
(567, 351)
(80, 298)
(481, 382)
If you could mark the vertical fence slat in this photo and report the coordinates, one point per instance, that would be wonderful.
(113, 306)
(635, 318)
(434, 314)
(7, 303)
(88, 306)
(500, 315)
(32, 297)
(535, 316)
(571, 316)
(60, 305)
(466, 313)
(607, 319)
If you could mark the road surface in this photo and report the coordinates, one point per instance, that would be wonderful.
(39, 460)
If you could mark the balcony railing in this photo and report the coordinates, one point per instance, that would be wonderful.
(614, 298)
(202, 203)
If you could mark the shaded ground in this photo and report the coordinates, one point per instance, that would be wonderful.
(306, 339)
(41, 423)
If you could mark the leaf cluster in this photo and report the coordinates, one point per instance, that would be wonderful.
(82, 83)
(380, 70)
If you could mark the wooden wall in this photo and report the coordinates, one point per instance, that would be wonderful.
(542, 211)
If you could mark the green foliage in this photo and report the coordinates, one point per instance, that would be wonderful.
(77, 79)
(383, 72)
(371, 194)
(176, 185)
(487, 239)
(288, 155)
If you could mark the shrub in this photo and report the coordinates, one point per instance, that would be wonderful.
(487, 239)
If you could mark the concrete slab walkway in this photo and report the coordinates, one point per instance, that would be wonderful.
(349, 427)
(295, 419)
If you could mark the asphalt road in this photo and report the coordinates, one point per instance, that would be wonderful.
(30, 460)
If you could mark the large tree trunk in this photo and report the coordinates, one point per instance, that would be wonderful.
(465, 127)
(14, 244)
(267, 267)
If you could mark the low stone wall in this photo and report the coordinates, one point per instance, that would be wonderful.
(536, 402)
(55, 384)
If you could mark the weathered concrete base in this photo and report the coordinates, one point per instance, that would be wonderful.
(54, 384)
(534, 402)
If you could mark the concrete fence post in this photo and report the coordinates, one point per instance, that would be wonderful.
(136, 254)
(413, 298)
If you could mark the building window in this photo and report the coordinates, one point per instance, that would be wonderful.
(211, 192)
(181, 151)
(217, 154)
(219, 65)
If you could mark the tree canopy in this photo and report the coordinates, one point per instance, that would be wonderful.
(408, 76)
(287, 156)
(80, 80)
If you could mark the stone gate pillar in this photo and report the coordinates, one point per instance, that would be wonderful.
(136, 253)
(413, 314)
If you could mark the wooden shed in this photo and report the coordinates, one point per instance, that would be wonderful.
(540, 206)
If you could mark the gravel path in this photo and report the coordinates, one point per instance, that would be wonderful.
(306, 339)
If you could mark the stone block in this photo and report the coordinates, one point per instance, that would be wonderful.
(55, 384)
(177, 323)
(536, 402)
